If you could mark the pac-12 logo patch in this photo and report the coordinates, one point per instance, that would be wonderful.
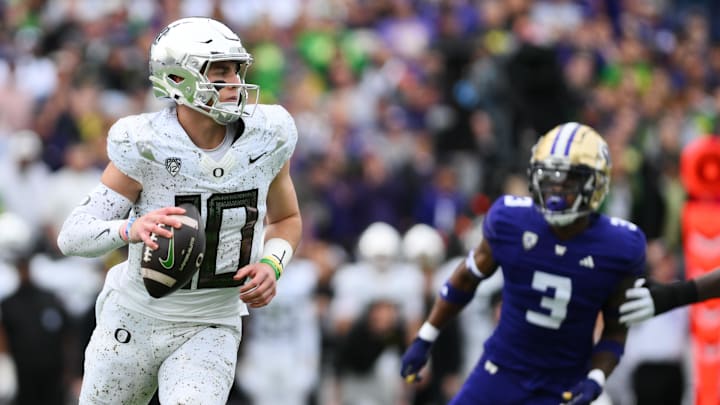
(172, 165)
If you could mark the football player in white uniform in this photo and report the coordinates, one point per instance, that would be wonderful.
(211, 150)
(280, 362)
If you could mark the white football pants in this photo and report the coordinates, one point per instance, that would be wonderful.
(131, 355)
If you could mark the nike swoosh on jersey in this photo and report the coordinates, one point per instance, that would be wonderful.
(253, 160)
(106, 230)
(169, 261)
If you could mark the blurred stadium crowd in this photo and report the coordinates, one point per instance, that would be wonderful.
(409, 112)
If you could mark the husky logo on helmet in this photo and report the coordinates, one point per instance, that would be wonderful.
(180, 58)
(569, 172)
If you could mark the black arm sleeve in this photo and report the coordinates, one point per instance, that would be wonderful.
(673, 295)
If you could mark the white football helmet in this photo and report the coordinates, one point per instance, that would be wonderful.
(17, 238)
(379, 242)
(569, 172)
(179, 60)
(423, 244)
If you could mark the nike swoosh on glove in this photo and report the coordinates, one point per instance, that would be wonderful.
(414, 359)
(583, 393)
(639, 305)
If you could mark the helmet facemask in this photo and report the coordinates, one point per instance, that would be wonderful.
(563, 192)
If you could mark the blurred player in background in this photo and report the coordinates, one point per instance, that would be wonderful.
(38, 335)
(280, 361)
(215, 149)
(424, 246)
(34, 328)
(562, 263)
(378, 301)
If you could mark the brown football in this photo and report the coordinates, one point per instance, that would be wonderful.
(177, 259)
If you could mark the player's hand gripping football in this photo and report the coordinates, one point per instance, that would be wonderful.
(143, 226)
(414, 360)
(260, 285)
(583, 393)
(639, 305)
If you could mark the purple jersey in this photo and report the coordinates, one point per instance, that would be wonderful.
(554, 288)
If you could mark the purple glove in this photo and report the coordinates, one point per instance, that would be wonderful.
(583, 393)
(414, 359)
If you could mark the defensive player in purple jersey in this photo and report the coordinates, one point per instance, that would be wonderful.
(563, 264)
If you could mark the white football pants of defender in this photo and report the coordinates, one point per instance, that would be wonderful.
(131, 355)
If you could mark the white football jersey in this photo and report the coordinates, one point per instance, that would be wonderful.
(230, 194)
(282, 342)
(358, 284)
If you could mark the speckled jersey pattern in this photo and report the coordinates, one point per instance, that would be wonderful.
(130, 353)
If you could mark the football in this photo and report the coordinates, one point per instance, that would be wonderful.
(175, 261)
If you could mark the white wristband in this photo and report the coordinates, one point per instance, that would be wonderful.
(598, 376)
(280, 249)
(428, 332)
(472, 266)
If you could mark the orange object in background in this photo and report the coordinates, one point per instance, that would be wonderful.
(700, 174)
(700, 169)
